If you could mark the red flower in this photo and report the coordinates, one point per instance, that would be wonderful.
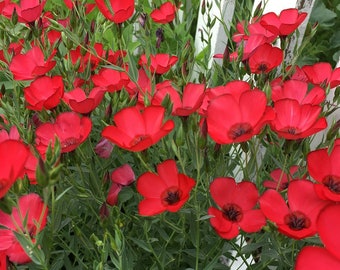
(120, 177)
(123, 175)
(316, 258)
(28, 11)
(159, 63)
(164, 14)
(87, 58)
(136, 131)
(238, 116)
(69, 127)
(297, 121)
(112, 80)
(29, 218)
(281, 179)
(328, 228)
(112, 196)
(13, 157)
(80, 103)
(167, 190)
(31, 64)
(119, 11)
(322, 74)
(31, 161)
(284, 24)
(44, 93)
(298, 220)
(325, 169)
(236, 202)
(298, 90)
(192, 98)
(265, 58)
(3, 260)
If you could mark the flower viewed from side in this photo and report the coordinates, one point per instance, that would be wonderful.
(322, 74)
(297, 121)
(296, 218)
(285, 23)
(44, 93)
(79, 102)
(29, 217)
(71, 130)
(117, 11)
(159, 63)
(110, 79)
(191, 100)
(297, 90)
(265, 58)
(167, 190)
(236, 202)
(121, 177)
(135, 130)
(281, 179)
(324, 168)
(164, 14)
(13, 157)
(238, 116)
(31, 64)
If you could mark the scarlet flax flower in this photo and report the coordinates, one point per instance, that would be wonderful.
(285, 23)
(29, 217)
(79, 102)
(281, 179)
(159, 63)
(236, 202)
(31, 64)
(167, 190)
(265, 58)
(135, 130)
(164, 14)
(324, 168)
(117, 11)
(13, 157)
(238, 116)
(297, 219)
(44, 93)
(69, 127)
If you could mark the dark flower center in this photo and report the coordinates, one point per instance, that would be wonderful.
(171, 196)
(291, 130)
(297, 221)
(69, 141)
(138, 139)
(333, 183)
(239, 129)
(232, 212)
(262, 67)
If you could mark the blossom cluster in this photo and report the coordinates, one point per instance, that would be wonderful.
(89, 94)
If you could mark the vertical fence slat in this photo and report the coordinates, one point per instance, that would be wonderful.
(224, 11)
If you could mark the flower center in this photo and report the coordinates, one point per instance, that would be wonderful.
(297, 221)
(262, 67)
(137, 139)
(291, 130)
(69, 141)
(333, 183)
(171, 196)
(232, 212)
(239, 129)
